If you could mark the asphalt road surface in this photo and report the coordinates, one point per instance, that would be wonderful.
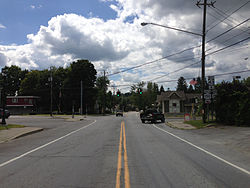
(109, 151)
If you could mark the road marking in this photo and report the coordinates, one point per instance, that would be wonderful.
(126, 177)
(119, 163)
(40, 147)
(125, 157)
(207, 152)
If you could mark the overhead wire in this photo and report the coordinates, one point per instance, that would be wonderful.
(227, 15)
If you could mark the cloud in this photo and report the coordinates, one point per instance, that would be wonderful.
(121, 43)
(2, 26)
(35, 6)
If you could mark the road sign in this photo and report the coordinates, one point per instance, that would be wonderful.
(207, 96)
(211, 80)
(207, 101)
(207, 91)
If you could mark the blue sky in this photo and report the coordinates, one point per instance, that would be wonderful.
(22, 17)
(37, 34)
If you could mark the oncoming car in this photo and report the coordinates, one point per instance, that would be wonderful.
(119, 113)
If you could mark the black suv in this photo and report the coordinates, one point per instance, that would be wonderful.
(152, 115)
(119, 113)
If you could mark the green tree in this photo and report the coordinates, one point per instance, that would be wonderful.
(161, 89)
(102, 87)
(80, 70)
(13, 77)
(232, 103)
(190, 89)
(182, 84)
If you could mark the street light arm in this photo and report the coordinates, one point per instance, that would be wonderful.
(176, 29)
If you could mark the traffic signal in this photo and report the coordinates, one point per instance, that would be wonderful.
(140, 91)
(118, 93)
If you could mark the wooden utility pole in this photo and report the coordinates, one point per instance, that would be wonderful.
(51, 93)
(205, 4)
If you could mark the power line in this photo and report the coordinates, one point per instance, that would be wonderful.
(228, 30)
(216, 51)
(150, 62)
(175, 71)
(227, 15)
(216, 75)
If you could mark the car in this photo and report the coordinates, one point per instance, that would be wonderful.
(7, 113)
(119, 113)
(152, 115)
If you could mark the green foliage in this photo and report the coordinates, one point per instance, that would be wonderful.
(182, 84)
(102, 98)
(233, 103)
(66, 88)
(12, 80)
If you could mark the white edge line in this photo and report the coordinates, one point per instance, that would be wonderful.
(207, 152)
(40, 147)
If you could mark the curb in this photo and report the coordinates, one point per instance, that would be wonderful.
(22, 134)
(180, 128)
(27, 133)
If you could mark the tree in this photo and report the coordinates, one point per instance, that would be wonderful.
(80, 70)
(161, 89)
(182, 84)
(232, 103)
(136, 98)
(13, 77)
(102, 87)
(190, 89)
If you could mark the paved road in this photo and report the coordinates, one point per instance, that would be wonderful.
(114, 151)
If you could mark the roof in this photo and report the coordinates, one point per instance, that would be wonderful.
(23, 97)
(180, 94)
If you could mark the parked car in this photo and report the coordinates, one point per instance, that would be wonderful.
(7, 113)
(152, 115)
(119, 113)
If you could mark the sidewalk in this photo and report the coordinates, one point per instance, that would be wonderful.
(10, 134)
(180, 125)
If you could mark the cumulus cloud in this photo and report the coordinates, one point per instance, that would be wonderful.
(121, 43)
(2, 26)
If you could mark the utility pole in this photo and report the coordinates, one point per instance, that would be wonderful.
(104, 88)
(51, 93)
(3, 97)
(205, 4)
(81, 99)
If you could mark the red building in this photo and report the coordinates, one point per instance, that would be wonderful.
(22, 104)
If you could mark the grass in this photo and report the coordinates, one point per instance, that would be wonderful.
(9, 126)
(197, 123)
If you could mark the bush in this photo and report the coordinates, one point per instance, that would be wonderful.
(233, 103)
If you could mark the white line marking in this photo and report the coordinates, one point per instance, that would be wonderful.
(207, 152)
(40, 147)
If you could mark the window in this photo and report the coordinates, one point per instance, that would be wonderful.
(30, 101)
(14, 100)
(174, 104)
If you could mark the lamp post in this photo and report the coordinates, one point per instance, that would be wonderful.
(202, 58)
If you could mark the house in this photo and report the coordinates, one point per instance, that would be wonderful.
(177, 101)
(22, 104)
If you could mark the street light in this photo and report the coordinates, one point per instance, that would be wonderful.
(173, 28)
(202, 58)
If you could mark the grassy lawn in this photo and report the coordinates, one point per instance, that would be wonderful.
(197, 123)
(10, 126)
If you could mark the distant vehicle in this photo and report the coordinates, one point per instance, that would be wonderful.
(7, 113)
(119, 113)
(152, 115)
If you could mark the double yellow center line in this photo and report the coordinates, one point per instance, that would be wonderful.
(125, 157)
